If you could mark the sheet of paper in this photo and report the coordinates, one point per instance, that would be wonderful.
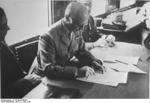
(126, 59)
(125, 67)
(110, 77)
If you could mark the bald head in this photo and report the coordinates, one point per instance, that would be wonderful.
(77, 12)
(87, 3)
(84, 1)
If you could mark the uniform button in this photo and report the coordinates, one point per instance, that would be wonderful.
(68, 56)
(89, 38)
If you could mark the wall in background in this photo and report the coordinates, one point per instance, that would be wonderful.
(58, 9)
(124, 3)
(26, 18)
(98, 7)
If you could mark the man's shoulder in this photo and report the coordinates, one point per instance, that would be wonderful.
(55, 27)
(53, 30)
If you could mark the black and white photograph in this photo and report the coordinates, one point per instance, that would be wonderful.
(74, 49)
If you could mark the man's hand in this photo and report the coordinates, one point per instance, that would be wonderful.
(85, 71)
(97, 65)
(110, 39)
(105, 41)
(33, 78)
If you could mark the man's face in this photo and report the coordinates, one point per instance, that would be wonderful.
(148, 23)
(3, 28)
(81, 23)
(77, 16)
(76, 25)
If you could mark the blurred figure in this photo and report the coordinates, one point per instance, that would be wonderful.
(144, 16)
(90, 34)
(64, 41)
(13, 82)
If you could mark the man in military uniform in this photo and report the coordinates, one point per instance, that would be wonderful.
(90, 34)
(144, 17)
(64, 41)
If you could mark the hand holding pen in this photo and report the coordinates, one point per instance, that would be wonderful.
(97, 65)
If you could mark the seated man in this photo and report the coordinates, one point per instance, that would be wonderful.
(13, 82)
(62, 42)
(90, 34)
(144, 16)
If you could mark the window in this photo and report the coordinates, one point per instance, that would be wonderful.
(26, 18)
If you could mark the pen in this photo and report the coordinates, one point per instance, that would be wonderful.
(107, 61)
(115, 69)
(122, 62)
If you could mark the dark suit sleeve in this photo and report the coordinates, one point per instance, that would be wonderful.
(84, 56)
(93, 29)
(48, 63)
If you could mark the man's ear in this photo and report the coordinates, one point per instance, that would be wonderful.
(69, 20)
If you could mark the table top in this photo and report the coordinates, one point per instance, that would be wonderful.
(137, 85)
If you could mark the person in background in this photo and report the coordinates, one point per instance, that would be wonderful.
(144, 17)
(61, 43)
(90, 34)
(14, 84)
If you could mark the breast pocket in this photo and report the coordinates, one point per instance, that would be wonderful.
(61, 55)
(75, 45)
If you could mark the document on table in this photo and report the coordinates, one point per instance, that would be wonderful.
(110, 77)
(126, 59)
(121, 67)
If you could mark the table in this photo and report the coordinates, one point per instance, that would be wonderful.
(136, 87)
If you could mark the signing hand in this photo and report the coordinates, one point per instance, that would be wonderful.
(110, 39)
(97, 65)
(85, 71)
(33, 78)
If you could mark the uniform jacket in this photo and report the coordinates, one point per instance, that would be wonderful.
(9, 65)
(10, 70)
(56, 48)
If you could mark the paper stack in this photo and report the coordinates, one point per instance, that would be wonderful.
(110, 77)
(123, 63)
(117, 69)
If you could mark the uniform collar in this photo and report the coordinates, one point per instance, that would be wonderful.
(67, 32)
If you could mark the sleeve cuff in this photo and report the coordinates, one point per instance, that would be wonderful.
(70, 72)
